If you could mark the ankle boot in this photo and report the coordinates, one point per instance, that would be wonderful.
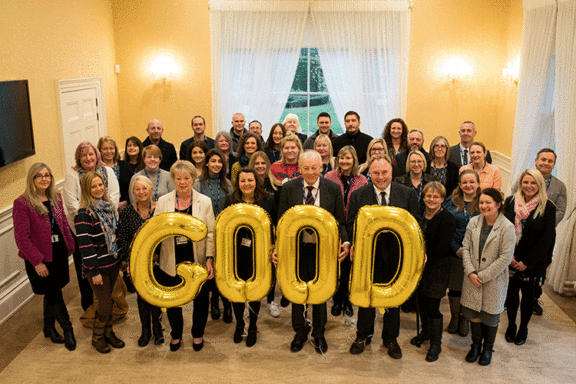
(61, 313)
(49, 322)
(98, 340)
(463, 326)
(435, 339)
(489, 335)
(157, 329)
(109, 335)
(476, 328)
(454, 313)
(144, 312)
(425, 334)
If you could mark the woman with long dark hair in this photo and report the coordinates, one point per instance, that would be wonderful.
(395, 135)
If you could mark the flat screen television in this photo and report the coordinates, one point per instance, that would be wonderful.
(16, 135)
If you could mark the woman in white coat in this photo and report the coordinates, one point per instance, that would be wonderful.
(487, 251)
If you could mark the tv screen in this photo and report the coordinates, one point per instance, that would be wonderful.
(16, 136)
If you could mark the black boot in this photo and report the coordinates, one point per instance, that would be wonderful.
(98, 340)
(128, 281)
(435, 339)
(476, 328)
(61, 313)
(49, 322)
(425, 334)
(254, 308)
(240, 323)
(214, 306)
(144, 312)
(157, 329)
(454, 313)
(227, 315)
(489, 335)
(110, 336)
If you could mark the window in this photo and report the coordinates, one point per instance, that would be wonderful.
(309, 95)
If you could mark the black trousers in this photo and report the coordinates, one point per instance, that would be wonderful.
(307, 272)
(343, 291)
(86, 298)
(390, 330)
(513, 301)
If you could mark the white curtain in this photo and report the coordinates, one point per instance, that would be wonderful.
(255, 47)
(363, 48)
(563, 269)
(533, 125)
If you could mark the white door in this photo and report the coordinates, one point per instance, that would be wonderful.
(81, 116)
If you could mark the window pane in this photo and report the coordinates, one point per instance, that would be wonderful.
(300, 83)
(317, 82)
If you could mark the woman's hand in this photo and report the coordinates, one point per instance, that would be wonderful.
(459, 252)
(122, 205)
(210, 268)
(520, 266)
(41, 270)
(345, 251)
(97, 280)
(475, 279)
(352, 253)
(274, 257)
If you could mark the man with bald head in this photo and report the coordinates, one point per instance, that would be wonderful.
(315, 190)
(238, 128)
(381, 191)
(460, 153)
(155, 131)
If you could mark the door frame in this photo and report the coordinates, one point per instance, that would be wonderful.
(71, 85)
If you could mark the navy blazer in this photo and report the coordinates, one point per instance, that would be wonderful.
(292, 194)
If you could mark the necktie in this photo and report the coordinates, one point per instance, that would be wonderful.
(383, 196)
(310, 201)
(465, 160)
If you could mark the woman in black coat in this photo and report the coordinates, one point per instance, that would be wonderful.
(438, 226)
(534, 217)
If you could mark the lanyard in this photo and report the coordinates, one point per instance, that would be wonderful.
(157, 182)
(215, 201)
(189, 208)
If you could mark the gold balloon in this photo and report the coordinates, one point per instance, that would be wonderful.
(324, 285)
(152, 232)
(370, 221)
(225, 228)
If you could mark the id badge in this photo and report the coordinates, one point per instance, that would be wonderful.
(55, 238)
(181, 240)
(246, 242)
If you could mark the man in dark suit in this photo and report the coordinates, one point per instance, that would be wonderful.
(381, 191)
(415, 142)
(312, 189)
(155, 131)
(198, 128)
(460, 153)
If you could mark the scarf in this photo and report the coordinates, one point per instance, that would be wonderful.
(107, 216)
(523, 210)
(101, 170)
(244, 160)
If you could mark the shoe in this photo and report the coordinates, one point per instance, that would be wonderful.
(358, 345)
(348, 310)
(298, 343)
(433, 353)
(420, 339)
(284, 302)
(474, 352)
(321, 345)
(336, 309)
(238, 335)
(251, 338)
(521, 336)
(436, 327)
(273, 309)
(394, 350)
(175, 346)
(227, 317)
(407, 307)
(144, 337)
(110, 336)
(215, 311)
(463, 326)
(198, 347)
(537, 309)
(489, 335)
(510, 334)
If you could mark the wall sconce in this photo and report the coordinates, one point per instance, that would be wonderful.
(456, 68)
(164, 68)
(512, 71)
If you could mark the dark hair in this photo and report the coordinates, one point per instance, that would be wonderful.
(245, 136)
(221, 175)
(352, 113)
(546, 150)
(259, 193)
(388, 137)
(196, 143)
(479, 144)
(378, 157)
(496, 195)
(195, 117)
(458, 194)
(139, 158)
(270, 141)
(255, 121)
(324, 114)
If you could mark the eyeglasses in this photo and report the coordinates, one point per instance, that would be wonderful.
(39, 176)
(376, 149)
(442, 146)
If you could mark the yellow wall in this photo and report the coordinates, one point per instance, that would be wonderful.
(45, 41)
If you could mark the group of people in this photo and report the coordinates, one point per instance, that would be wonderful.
(480, 248)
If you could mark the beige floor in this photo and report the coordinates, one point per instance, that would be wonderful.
(548, 356)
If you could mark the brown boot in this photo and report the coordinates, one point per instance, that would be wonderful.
(109, 335)
(463, 326)
(455, 314)
(98, 340)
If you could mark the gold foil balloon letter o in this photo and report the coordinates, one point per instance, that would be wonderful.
(324, 285)
(225, 229)
(370, 221)
(152, 232)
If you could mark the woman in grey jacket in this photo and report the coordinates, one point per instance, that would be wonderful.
(487, 251)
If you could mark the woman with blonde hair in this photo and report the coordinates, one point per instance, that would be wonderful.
(111, 158)
(534, 218)
(292, 124)
(287, 167)
(44, 241)
(96, 222)
(440, 167)
(415, 177)
(323, 145)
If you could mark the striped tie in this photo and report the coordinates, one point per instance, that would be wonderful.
(310, 197)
